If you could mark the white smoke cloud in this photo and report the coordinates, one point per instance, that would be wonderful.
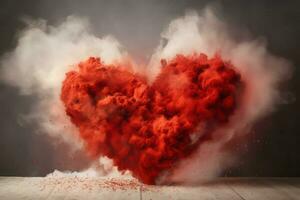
(37, 66)
(104, 167)
(45, 53)
(260, 70)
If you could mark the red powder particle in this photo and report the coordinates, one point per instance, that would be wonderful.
(147, 128)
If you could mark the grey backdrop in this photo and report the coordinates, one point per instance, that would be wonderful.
(137, 24)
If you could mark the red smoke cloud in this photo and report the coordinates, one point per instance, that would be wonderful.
(148, 128)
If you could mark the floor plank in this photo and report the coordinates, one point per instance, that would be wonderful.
(289, 186)
(24, 188)
(256, 188)
(215, 191)
(73, 188)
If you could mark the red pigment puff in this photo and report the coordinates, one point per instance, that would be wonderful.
(147, 128)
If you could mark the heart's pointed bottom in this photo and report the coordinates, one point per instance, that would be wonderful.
(148, 129)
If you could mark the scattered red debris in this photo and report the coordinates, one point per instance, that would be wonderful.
(89, 183)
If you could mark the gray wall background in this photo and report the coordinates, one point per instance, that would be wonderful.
(137, 25)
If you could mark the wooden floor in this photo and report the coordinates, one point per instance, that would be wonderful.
(73, 188)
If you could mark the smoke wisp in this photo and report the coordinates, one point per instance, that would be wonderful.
(37, 66)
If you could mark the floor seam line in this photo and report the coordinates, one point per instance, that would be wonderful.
(236, 192)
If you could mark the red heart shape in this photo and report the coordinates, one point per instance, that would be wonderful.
(146, 128)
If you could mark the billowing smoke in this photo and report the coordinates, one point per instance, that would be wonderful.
(44, 54)
(37, 66)
(147, 128)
